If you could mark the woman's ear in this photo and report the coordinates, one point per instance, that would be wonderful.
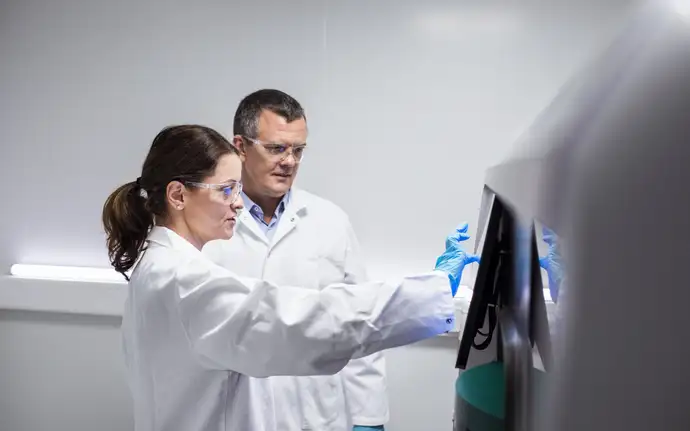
(239, 143)
(174, 192)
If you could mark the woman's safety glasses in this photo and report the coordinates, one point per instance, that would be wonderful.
(280, 152)
(230, 190)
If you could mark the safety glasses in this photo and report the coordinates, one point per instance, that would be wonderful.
(279, 152)
(230, 190)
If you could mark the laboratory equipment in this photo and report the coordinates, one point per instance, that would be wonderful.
(512, 320)
(607, 168)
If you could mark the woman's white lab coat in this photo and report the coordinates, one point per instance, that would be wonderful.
(198, 339)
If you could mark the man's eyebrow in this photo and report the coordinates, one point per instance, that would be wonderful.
(294, 144)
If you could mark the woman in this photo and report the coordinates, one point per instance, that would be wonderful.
(198, 339)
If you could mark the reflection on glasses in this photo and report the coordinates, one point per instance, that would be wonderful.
(280, 152)
(231, 190)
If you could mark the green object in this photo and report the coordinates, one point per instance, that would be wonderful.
(480, 397)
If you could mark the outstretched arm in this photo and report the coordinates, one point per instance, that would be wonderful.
(259, 329)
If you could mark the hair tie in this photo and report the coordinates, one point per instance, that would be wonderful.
(142, 192)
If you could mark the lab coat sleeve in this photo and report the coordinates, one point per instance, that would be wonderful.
(364, 378)
(259, 329)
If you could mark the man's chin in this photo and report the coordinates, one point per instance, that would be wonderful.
(279, 188)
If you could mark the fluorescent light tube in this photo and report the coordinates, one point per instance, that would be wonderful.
(72, 273)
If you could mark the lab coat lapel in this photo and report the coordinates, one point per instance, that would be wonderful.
(293, 212)
(246, 221)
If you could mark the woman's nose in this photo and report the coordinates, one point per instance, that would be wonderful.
(238, 204)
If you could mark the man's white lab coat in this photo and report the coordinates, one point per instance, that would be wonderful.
(199, 341)
(313, 246)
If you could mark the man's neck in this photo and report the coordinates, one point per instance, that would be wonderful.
(268, 204)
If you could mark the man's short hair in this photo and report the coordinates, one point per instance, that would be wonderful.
(246, 122)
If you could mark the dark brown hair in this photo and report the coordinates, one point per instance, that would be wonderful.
(246, 122)
(183, 153)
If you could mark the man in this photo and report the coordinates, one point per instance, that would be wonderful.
(291, 237)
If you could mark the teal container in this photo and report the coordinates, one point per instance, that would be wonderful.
(480, 397)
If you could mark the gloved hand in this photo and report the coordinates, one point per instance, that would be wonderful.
(454, 259)
(368, 428)
(552, 263)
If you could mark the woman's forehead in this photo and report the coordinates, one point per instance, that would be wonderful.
(229, 168)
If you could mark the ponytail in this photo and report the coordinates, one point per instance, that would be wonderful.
(127, 222)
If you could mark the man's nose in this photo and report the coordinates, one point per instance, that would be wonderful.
(289, 160)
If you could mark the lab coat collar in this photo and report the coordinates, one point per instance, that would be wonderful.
(296, 206)
(298, 201)
(250, 205)
(245, 221)
(165, 237)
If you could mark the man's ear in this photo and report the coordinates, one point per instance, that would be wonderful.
(174, 193)
(239, 143)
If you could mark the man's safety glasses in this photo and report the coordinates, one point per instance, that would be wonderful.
(230, 190)
(280, 152)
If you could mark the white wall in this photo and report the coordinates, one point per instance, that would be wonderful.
(408, 103)
(61, 372)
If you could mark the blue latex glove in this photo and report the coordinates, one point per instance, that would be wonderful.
(367, 428)
(552, 263)
(454, 259)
